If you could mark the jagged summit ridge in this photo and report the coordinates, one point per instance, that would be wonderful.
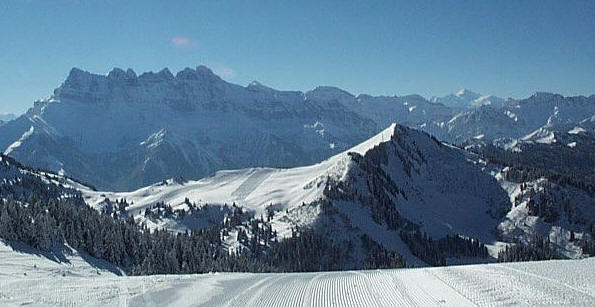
(212, 124)
(78, 75)
(186, 89)
(117, 73)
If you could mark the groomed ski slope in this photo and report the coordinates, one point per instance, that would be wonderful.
(30, 279)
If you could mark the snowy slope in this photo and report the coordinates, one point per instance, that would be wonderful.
(573, 207)
(549, 178)
(79, 283)
(566, 132)
(254, 188)
(437, 188)
(20, 181)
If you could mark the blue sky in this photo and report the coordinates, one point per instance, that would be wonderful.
(506, 48)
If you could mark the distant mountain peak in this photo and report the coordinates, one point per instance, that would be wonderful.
(187, 74)
(200, 73)
(77, 71)
(204, 69)
(259, 87)
(255, 84)
(328, 92)
(166, 74)
(466, 93)
(76, 74)
(545, 96)
(465, 98)
(119, 74)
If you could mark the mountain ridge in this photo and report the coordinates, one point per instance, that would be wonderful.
(95, 127)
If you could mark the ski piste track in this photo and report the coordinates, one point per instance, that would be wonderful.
(546, 283)
(250, 184)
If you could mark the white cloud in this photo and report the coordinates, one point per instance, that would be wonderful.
(180, 41)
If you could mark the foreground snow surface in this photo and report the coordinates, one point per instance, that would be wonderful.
(29, 279)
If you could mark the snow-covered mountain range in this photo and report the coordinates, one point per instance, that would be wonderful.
(416, 171)
(518, 119)
(390, 189)
(122, 131)
(399, 180)
(464, 99)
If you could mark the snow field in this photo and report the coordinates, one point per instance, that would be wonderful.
(515, 284)
(32, 279)
(561, 283)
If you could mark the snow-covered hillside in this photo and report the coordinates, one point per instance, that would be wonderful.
(400, 179)
(397, 183)
(561, 213)
(550, 178)
(253, 188)
(427, 186)
(20, 181)
(569, 133)
(79, 281)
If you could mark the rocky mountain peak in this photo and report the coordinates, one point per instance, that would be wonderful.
(329, 93)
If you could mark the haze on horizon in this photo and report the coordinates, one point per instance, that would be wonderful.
(431, 48)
